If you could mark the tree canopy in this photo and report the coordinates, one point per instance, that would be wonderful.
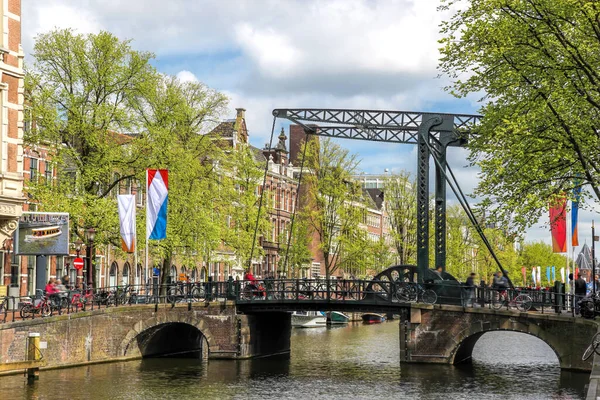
(535, 62)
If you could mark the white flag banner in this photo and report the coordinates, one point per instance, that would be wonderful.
(127, 221)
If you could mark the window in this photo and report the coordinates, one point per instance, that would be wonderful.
(112, 276)
(316, 269)
(27, 120)
(173, 273)
(138, 275)
(33, 168)
(126, 274)
(139, 194)
(60, 263)
(48, 172)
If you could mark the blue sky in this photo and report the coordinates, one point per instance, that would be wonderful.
(266, 54)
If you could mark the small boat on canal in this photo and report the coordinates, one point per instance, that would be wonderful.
(336, 317)
(372, 318)
(308, 319)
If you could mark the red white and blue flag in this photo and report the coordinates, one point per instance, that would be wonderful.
(157, 189)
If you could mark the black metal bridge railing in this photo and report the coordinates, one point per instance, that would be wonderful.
(290, 292)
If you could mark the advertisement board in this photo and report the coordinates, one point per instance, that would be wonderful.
(41, 233)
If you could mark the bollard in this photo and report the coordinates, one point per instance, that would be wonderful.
(33, 354)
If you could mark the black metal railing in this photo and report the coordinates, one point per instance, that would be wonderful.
(288, 291)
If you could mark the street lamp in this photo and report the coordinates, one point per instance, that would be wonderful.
(90, 233)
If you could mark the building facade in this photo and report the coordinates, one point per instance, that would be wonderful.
(11, 134)
(375, 222)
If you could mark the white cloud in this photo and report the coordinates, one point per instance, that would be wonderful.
(186, 76)
(46, 16)
(266, 54)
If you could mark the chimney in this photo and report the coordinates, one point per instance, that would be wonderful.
(241, 112)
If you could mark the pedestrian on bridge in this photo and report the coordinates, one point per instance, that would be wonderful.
(580, 291)
(469, 293)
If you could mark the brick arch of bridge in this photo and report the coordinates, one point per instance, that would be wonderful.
(447, 334)
(467, 339)
(143, 325)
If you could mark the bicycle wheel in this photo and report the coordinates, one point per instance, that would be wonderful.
(173, 293)
(429, 296)
(596, 343)
(523, 302)
(26, 311)
(198, 293)
(587, 353)
(46, 310)
(320, 291)
(403, 294)
(498, 300)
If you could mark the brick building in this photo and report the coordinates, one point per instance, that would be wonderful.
(11, 134)
(280, 185)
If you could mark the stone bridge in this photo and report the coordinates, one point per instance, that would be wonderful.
(447, 334)
(209, 330)
(428, 333)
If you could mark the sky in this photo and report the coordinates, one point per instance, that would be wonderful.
(267, 54)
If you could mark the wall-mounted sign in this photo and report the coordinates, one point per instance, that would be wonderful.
(43, 234)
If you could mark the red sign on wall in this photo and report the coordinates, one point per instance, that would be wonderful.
(78, 263)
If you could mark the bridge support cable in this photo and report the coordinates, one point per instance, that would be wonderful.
(260, 202)
(287, 250)
(453, 183)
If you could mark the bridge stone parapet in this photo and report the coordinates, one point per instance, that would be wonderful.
(212, 330)
(447, 334)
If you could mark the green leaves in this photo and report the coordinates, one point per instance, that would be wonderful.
(536, 63)
(332, 202)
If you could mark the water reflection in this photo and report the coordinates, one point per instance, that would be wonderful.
(349, 362)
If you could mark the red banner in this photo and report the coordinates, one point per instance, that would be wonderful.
(558, 224)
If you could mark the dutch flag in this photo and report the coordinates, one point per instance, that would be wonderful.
(157, 188)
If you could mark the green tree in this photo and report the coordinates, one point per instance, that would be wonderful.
(244, 176)
(332, 203)
(298, 256)
(461, 246)
(80, 89)
(535, 61)
(175, 117)
(401, 205)
(540, 254)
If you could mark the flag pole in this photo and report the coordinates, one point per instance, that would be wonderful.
(593, 259)
(146, 247)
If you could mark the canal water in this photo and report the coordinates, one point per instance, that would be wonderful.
(349, 362)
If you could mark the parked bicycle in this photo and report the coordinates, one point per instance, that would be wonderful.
(414, 293)
(185, 291)
(80, 299)
(594, 347)
(41, 306)
(501, 298)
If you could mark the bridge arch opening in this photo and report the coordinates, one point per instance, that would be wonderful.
(173, 339)
(499, 347)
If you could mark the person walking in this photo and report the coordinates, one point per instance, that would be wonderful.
(469, 291)
(580, 291)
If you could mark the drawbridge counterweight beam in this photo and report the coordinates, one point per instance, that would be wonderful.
(428, 131)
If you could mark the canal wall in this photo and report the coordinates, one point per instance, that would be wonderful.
(130, 332)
